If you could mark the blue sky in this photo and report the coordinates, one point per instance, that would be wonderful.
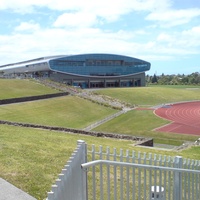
(163, 32)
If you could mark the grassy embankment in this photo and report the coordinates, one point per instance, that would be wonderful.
(143, 122)
(153, 95)
(22, 88)
(69, 111)
(31, 159)
(74, 112)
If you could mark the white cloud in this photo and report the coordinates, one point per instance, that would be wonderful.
(88, 13)
(187, 39)
(110, 10)
(79, 4)
(77, 30)
(20, 6)
(194, 32)
(171, 18)
(79, 19)
(25, 26)
(164, 37)
(44, 42)
(192, 37)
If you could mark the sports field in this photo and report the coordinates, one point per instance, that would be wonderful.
(184, 117)
(142, 121)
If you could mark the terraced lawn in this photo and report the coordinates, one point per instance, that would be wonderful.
(152, 96)
(13, 88)
(142, 123)
(31, 159)
(68, 111)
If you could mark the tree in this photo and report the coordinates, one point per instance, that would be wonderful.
(154, 79)
(191, 79)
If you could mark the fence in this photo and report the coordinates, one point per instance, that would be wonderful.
(90, 127)
(72, 182)
(111, 174)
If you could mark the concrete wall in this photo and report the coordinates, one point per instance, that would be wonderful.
(31, 98)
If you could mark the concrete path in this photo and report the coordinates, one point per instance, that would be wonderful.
(10, 192)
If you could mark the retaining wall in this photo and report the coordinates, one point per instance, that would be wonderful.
(77, 131)
(32, 98)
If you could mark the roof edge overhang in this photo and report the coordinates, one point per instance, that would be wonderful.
(86, 76)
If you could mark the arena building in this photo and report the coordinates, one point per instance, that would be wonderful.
(84, 70)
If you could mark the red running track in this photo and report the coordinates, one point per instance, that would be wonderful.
(184, 117)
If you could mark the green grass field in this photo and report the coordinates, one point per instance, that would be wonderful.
(14, 88)
(142, 123)
(152, 96)
(69, 111)
(31, 159)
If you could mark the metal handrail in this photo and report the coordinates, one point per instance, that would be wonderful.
(126, 164)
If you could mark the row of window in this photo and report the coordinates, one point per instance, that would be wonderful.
(99, 71)
(37, 65)
(105, 74)
(95, 63)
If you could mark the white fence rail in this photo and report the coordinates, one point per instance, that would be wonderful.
(111, 174)
(72, 182)
(130, 175)
(92, 126)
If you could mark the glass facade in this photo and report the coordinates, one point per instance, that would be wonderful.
(99, 65)
(84, 70)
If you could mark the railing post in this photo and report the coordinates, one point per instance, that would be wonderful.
(178, 179)
(84, 173)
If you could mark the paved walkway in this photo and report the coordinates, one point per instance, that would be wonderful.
(10, 192)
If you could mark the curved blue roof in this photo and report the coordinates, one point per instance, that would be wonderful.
(82, 65)
(98, 65)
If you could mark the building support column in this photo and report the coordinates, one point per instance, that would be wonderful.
(133, 82)
(119, 82)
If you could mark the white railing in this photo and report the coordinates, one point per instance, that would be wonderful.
(110, 174)
(130, 175)
(72, 182)
(92, 126)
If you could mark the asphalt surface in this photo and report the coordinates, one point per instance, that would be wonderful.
(10, 192)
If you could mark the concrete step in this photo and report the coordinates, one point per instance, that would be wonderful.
(10, 192)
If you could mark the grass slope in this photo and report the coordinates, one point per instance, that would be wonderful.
(151, 96)
(141, 123)
(69, 111)
(32, 159)
(13, 88)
